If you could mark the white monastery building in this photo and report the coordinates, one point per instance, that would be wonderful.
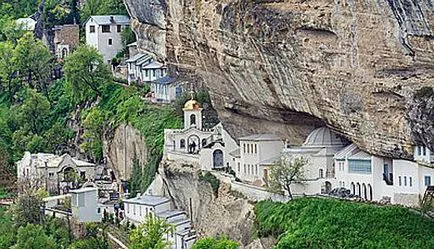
(165, 90)
(198, 145)
(104, 33)
(55, 169)
(142, 68)
(319, 149)
(251, 160)
(376, 178)
(84, 205)
(137, 210)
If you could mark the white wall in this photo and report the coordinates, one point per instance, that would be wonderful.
(99, 40)
(88, 212)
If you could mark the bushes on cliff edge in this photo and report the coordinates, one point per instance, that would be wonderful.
(211, 179)
(325, 223)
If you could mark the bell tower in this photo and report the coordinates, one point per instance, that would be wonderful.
(192, 114)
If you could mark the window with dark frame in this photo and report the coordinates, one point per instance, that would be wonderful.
(110, 42)
(106, 28)
(92, 29)
(119, 28)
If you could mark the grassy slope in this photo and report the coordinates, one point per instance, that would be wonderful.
(324, 223)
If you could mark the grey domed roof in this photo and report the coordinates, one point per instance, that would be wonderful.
(324, 137)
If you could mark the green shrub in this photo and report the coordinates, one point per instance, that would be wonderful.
(326, 223)
(211, 179)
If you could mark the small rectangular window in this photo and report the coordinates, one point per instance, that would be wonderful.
(153, 73)
(419, 152)
(410, 181)
(423, 150)
(427, 180)
(106, 28)
(110, 42)
(248, 169)
(244, 148)
(92, 29)
(256, 149)
(257, 167)
(146, 73)
(248, 148)
(399, 180)
(119, 28)
(244, 169)
(239, 168)
(405, 181)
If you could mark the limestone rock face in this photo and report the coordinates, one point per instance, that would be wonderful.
(119, 151)
(285, 66)
(212, 215)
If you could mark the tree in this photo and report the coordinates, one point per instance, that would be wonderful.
(86, 72)
(26, 208)
(94, 128)
(136, 176)
(212, 243)
(150, 234)
(34, 62)
(7, 69)
(127, 36)
(33, 237)
(95, 238)
(34, 112)
(286, 171)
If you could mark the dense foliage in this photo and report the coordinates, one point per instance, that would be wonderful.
(326, 223)
(213, 243)
(212, 180)
(150, 234)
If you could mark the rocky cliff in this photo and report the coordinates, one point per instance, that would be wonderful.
(286, 66)
(212, 215)
(120, 150)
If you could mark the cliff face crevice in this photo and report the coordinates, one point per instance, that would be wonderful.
(120, 149)
(288, 66)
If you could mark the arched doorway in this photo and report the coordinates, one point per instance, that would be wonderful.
(358, 190)
(69, 174)
(364, 195)
(193, 143)
(217, 156)
(328, 187)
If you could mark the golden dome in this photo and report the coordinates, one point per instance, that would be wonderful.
(191, 105)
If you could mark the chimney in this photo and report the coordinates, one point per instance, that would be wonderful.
(112, 19)
(139, 195)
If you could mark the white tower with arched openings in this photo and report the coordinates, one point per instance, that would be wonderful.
(192, 114)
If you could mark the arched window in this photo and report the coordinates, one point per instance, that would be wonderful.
(64, 53)
(353, 188)
(192, 119)
(358, 190)
(182, 144)
(370, 192)
(364, 195)
(321, 173)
